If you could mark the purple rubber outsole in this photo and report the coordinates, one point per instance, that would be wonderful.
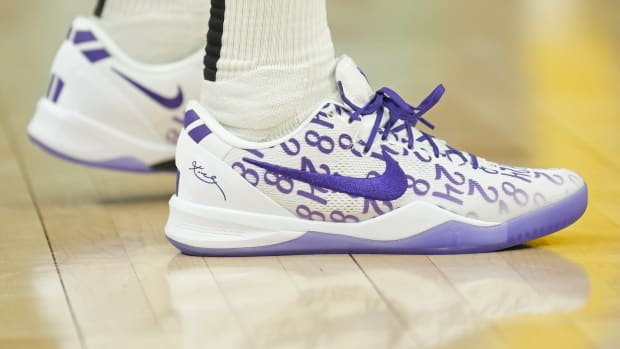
(448, 238)
(126, 164)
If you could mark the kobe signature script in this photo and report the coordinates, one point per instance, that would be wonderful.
(204, 177)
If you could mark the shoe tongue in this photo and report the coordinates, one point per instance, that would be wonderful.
(353, 83)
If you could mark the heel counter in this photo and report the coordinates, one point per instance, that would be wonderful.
(73, 65)
(57, 82)
(84, 80)
(203, 177)
(198, 173)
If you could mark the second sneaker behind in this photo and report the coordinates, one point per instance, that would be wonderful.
(103, 108)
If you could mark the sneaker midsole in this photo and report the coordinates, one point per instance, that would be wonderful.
(83, 138)
(213, 227)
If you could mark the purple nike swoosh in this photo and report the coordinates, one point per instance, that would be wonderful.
(390, 185)
(170, 103)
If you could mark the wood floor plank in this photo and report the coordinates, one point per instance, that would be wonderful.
(120, 272)
(435, 313)
(182, 293)
(106, 294)
(517, 285)
(33, 309)
(112, 250)
(307, 302)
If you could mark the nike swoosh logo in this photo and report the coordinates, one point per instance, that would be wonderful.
(390, 185)
(170, 103)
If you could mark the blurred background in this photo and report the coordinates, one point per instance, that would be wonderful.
(531, 82)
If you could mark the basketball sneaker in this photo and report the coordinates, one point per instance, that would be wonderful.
(105, 109)
(358, 176)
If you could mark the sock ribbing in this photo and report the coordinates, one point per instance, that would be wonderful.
(273, 33)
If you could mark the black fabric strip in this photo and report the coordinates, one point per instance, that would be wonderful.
(214, 39)
(99, 8)
(165, 166)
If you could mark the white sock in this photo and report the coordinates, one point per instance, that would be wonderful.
(275, 66)
(156, 31)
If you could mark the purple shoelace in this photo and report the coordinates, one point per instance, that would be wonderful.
(403, 116)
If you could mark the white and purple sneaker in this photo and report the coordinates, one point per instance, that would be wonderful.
(357, 177)
(105, 109)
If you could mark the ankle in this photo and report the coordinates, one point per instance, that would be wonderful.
(268, 103)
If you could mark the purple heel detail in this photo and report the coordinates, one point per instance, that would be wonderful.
(447, 238)
(127, 164)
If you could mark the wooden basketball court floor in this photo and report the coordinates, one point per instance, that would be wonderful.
(84, 262)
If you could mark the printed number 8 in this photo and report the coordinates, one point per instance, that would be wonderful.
(324, 143)
(247, 173)
(278, 180)
(304, 212)
(519, 195)
(420, 187)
